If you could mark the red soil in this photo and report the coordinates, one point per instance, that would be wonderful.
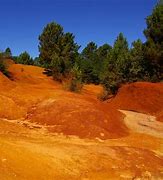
(39, 99)
(5, 83)
(73, 115)
(141, 97)
(28, 151)
(160, 116)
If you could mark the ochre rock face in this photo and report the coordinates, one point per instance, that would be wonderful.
(49, 133)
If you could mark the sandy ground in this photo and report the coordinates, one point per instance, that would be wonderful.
(102, 143)
(36, 154)
(143, 123)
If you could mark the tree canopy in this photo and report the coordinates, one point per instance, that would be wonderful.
(24, 58)
(57, 49)
(154, 44)
(8, 53)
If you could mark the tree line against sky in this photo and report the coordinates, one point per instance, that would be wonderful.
(110, 66)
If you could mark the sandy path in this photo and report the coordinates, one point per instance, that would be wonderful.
(143, 123)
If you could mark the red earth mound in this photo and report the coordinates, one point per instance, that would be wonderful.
(3, 79)
(39, 99)
(5, 83)
(27, 74)
(141, 97)
(72, 115)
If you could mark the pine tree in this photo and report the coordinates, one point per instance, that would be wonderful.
(137, 71)
(103, 51)
(89, 52)
(90, 64)
(49, 42)
(154, 44)
(8, 53)
(24, 58)
(119, 59)
(3, 68)
(58, 50)
(117, 66)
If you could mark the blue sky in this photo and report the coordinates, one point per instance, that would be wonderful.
(21, 21)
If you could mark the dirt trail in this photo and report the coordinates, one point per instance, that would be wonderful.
(143, 123)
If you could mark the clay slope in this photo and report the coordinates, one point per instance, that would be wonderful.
(49, 133)
(5, 83)
(34, 154)
(37, 98)
(141, 97)
(73, 115)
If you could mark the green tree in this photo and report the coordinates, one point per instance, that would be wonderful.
(154, 22)
(8, 53)
(118, 59)
(90, 64)
(3, 68)
(74, 82)
(36, 61)
(49, 42)
(89, 52)
(24, 58)
(117, 66)
(58, 51)
(154, 44)
(103, 51)
(138, 70)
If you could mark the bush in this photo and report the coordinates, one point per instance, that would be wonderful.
(73, 80)
(8, 53)
(58, 51)
(24, 58)
(72, 85)
(3, 68)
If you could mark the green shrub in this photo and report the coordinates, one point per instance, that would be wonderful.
(3, 68)
(72, 85)
(73, 81)
(58, 51)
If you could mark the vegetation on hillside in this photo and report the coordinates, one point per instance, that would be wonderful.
(58, 53)
(154, 44)
(3, 68)
(110, 66)
(24, 58)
